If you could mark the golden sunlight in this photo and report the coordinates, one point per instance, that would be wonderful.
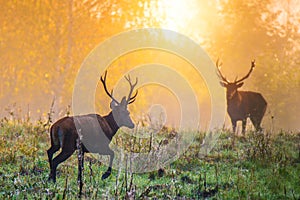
(178, 14)
(192, 17)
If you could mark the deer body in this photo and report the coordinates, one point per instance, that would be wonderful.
(243, 104)
(246, 104)
(64, 135)
(90, 133)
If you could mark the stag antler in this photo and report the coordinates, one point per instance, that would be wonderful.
(130, 98)
(247, 75)
(218, 65)
(103, 80)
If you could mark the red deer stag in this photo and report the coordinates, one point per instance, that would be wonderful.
(69, 132)
(242, 104)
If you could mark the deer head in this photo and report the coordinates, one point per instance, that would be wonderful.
(119, 110)
(231, 87)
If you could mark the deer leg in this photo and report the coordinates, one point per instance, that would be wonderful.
(259, 122)
(233, 122)
(50, 152)
(64, 155)
(256, 123)
(244, 122)
(108, 171)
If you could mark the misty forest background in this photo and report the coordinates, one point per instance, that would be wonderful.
(43, 43)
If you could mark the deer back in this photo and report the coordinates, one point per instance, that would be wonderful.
(94, 132)
(92, 129)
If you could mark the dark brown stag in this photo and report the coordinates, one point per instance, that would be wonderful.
(242, 104)
(89, 133)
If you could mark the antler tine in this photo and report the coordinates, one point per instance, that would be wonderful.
(218, 65)
(130, 98)
(247, 75)
(235, 78)
(103, 80)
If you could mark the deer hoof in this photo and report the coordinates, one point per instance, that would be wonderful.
(105, 175)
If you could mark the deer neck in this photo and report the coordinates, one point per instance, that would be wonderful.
(112, 123)
(235, 100)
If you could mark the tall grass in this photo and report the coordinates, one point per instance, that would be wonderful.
(257, 166)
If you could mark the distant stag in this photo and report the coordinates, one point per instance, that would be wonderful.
(242, 104)
(69, 132)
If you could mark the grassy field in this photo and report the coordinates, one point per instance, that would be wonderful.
(257, 166)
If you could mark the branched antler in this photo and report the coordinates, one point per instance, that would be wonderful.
(103, 80)
(131, 99)
(247, 75)
(218, 65)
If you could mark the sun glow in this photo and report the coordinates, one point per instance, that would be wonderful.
(191, 17)
(179, 14)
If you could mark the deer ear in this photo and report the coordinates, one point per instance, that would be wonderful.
(240, 84)
(223, 84)
(113, 104)
(123, 102)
